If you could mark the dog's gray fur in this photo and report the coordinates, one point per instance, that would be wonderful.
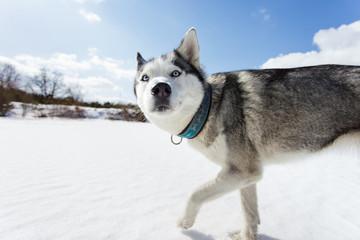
(255, 116)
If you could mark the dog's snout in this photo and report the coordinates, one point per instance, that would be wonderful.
(161, 90)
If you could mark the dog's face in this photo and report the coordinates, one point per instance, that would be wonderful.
(170, 89)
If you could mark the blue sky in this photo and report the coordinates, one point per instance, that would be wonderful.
(94, 42)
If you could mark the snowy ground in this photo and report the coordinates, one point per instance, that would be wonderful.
(98, 179)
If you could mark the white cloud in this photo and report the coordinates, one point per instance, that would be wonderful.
(336, 46)
(110, 65)
(263, 13)
(58, 61)
(101, 78)
(89, 16)
(92, 51)
(21, 68)
(97, 88)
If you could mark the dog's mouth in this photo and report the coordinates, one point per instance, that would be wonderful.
(162, 108)
(161, 105)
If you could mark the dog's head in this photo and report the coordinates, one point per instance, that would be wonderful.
(169, 89)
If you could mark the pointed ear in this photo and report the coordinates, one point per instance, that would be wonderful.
(189, 48)
(140, 61)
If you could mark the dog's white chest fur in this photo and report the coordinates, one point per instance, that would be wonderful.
(216, 152)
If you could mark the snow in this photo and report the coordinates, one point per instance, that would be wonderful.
(100, 179)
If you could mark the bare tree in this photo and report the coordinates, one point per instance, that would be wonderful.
(75, 93)
(47, 85)
(9, 80)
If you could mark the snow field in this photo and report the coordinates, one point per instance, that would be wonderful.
(100, 179)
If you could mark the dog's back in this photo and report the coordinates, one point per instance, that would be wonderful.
(300, 108)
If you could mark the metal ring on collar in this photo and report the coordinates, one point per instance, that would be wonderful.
(175, 143)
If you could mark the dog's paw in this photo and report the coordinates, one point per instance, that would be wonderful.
(237, 236)
(185, 223)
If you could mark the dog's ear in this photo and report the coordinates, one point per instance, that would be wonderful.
(189, 48)
(140, 61)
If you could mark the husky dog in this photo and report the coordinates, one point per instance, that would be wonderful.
(245, 119)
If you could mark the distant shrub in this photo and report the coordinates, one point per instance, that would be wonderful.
(5, 104)
(42, 115)
(115, 116)
(67, 112)
(128, 113)
(139, 115)
(24, 108)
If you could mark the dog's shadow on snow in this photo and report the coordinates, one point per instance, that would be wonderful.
(196, 235)
(265, 237)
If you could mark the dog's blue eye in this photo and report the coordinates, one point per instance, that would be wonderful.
(145, 78)
(175, 73)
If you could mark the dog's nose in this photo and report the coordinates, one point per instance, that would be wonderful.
(161, 90)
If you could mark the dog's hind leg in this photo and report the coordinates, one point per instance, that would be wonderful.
(251, 217)
(229, 179)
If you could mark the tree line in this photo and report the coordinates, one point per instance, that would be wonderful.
(48, 87)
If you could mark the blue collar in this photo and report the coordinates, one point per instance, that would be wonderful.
(200, 117)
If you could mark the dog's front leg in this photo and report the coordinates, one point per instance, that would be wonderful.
(228, 180)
